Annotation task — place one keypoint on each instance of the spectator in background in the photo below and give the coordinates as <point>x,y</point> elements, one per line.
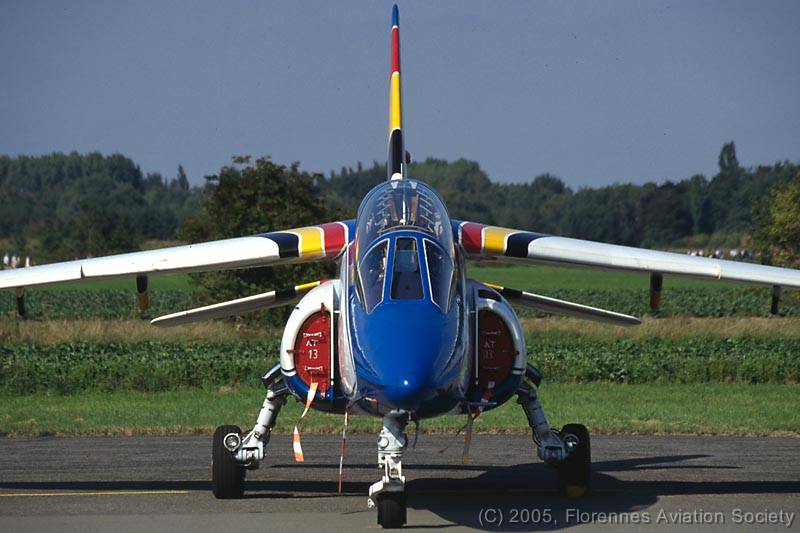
<point>5,260</point>
<point>27,261</point>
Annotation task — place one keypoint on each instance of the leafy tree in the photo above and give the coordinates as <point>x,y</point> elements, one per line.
<point>664,215</point>
<point>778,224</point>
<point>97,215</point>
<point>699,204</point>
<point>727,161</point>
<point>181,181</point>
<point>252,198</point>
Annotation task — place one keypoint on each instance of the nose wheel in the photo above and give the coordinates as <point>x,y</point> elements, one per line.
<point>391,510</point>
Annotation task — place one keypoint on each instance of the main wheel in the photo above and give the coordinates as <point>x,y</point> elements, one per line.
<point>227,475</point>
<point>392,510</point>
<point>574,474</point>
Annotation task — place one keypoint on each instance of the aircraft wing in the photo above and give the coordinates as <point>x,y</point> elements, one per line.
<point>480,240</point>
<point>313,243</point>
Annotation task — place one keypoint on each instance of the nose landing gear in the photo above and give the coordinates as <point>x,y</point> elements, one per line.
<point>388,494</point>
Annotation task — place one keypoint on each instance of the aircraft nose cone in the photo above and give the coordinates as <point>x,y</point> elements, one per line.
<point>407,392</point>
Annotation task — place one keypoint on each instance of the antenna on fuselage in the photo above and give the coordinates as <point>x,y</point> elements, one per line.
<point>398,158</point>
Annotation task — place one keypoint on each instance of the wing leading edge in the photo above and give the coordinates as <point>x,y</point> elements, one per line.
<point>480,240</point>
<point>300,245</point>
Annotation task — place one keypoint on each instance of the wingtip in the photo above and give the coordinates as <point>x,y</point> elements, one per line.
<point>395,16</point>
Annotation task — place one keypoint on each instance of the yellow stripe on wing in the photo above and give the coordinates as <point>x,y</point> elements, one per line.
<point>494,239</point>
<point>310,241</point>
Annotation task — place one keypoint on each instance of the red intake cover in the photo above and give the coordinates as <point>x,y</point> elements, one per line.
<point>312,350</point>
<point>496,350</point>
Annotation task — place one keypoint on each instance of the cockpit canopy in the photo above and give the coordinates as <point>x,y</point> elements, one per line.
<point>403,204</point>
<point>405,266</point>
<point>405,246</point>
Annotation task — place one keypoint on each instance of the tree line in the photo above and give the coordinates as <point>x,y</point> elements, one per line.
<point>696,211</point>
<point>62,206</point>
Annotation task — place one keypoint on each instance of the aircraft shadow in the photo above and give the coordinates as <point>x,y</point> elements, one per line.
<point>532,486</point>
<point>460,500</point>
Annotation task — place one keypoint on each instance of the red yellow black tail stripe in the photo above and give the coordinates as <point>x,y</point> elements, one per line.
<point>396,145</point>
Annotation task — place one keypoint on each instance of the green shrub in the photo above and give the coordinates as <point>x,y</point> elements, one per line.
<point>158,365</point>
<point>654,360</point>
<point>144,366</point>
<point>95,303</point>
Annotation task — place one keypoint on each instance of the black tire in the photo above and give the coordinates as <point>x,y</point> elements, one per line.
<point>392,510</point>
<point>227,475</point>
<point>575,473</point>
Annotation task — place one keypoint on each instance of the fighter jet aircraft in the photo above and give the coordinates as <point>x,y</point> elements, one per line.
<point>402,333</point>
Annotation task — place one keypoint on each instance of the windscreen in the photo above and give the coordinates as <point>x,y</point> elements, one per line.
<point>440,271</point>
<point>372,272</point>
<point>406,274</point>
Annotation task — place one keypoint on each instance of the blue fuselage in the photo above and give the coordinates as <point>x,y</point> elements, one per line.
<point>409,349</point>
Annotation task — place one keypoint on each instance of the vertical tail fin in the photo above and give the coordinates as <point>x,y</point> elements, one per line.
<point>396,163</point>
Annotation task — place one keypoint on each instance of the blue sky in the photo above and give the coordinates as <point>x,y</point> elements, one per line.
<point>593,92</point>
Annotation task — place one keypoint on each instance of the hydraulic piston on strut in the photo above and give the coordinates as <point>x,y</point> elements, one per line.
<point>551,448</point>
<point>392,441</point>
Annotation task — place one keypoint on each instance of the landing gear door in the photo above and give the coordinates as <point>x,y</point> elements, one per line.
<point>308,347</point>
<point>498,343</point>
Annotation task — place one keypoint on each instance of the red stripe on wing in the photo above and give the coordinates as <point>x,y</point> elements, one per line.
<point>335,238</point>
<point>472,237</point>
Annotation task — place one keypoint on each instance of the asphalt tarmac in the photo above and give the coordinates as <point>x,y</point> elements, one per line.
<point>162,484</point>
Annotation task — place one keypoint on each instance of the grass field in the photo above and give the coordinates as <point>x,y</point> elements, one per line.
<point>708,409</point>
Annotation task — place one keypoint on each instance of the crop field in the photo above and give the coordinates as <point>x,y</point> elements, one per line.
<point>712,362</point>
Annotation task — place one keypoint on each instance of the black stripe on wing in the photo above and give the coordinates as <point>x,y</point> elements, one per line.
<point>288,243</point>
<point>517,244</point>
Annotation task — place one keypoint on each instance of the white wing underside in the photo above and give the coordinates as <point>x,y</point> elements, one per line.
<point>215,255</point>
<point>298,245</point>
<point>613,257</point>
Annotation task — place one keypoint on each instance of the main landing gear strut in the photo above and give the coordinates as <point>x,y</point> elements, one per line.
<point>388,494</point>
<point>234,454</point>
<point>568,450</point>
